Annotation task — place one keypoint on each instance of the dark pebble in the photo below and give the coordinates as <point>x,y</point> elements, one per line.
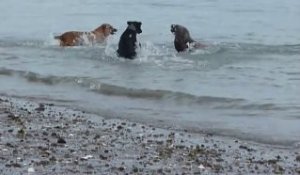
<point>52,159</point>
<point>61,141</point>
<point>40,108</point>
<point>15,165</point>
<point>135,169</point>
<point>120,127</point>
<point>298,158</point>
<point>160,171</point>
<point>103,157</point>
<point>10,145</point>
<point>45,133</point>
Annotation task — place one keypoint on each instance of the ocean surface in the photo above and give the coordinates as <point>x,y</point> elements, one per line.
<point>244,85</point>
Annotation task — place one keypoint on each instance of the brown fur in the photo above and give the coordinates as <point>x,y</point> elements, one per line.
<point>77,38</point>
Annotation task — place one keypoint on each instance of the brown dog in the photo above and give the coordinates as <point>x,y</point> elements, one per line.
<point>76,38</point>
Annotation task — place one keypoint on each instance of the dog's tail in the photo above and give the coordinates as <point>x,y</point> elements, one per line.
<point>57,37</point>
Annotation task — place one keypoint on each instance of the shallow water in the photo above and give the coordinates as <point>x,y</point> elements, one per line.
<point>245,84</point>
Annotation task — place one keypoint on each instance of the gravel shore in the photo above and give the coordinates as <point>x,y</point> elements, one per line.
<point>41,139</point>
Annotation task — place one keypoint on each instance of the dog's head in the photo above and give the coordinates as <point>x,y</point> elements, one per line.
<point>106,29</point>
<point>180,32</point>
<point>135,25</point>
<point>173,28</point>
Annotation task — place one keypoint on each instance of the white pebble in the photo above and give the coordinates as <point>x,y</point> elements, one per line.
<point>31,170</point>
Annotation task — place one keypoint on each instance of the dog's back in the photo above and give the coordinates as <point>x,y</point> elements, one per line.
<point>78,38</point>
<point>127,44</point>
<point>71,38</point>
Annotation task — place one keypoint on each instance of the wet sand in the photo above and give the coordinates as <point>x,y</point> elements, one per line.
<point>46,139</point>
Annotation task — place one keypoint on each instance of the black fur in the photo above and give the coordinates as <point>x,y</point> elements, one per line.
<point>128,43</point>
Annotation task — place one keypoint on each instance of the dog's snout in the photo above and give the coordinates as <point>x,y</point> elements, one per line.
<point>172,28</point>
<point>113,30</point>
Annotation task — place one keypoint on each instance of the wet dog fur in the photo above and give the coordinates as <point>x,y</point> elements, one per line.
<point>78,38</point>
<point>183,40</point>
<point>128,42</point>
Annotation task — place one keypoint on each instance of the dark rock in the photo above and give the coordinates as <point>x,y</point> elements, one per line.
<point>10,145</point>
<point>15,165</point>
<point>160,171</point>
<point>135,169</point>
<point>297,170</point>
<point>52,159</point>
<point>246,148</point>
<point>220,160</point>
<point>40,108</point>
<point>45,133</point>
<point>53,134</point>
<point>97,137</point>
<point>103,157</point>
<point>121,168</point>
<point>272,161</point>
<point>61,141</point>
<point>278,169</point>
<point>120,127</point>
<point>298,158</point>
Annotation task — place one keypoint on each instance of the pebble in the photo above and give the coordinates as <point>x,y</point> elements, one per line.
<point>61,141</point>
<point>298,158</point>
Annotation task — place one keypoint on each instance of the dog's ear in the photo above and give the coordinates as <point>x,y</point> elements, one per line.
<point>129,22</point>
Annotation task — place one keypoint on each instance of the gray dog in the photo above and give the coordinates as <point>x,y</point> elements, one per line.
<point>183,40</point>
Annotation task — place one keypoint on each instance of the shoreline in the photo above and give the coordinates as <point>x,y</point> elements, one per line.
<point>38,138</point>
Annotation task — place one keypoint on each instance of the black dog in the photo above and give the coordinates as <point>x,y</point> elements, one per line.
<point>183,41</point>
<point>127,43</point>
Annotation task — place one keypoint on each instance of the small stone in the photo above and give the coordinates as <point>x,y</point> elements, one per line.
<point>278,169</point>
<point>298,158</point>
<point>86,157</point>
<point>61,141</point>
<point>45,133</point>
<point>120,127</point>
<point>52,159</point>
<point>103,157</point>
<point>53,134</point>
<point>135,169</point>
<point>201,167</point>
<point>30,170</point>
<point>121,168</point>
<point>297,170</point>
<point>40,108</point>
